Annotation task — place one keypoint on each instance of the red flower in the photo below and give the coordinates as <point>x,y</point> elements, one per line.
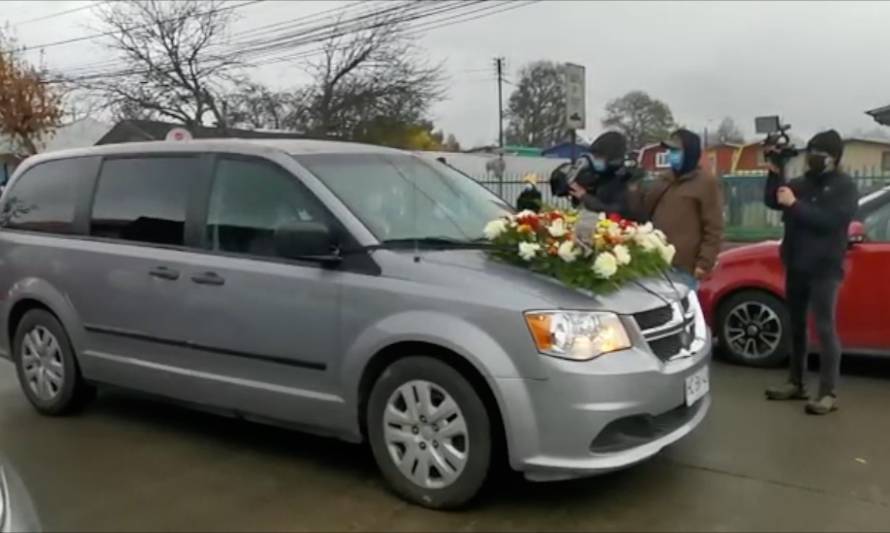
<point>530,220</point>
<point>615,217</point>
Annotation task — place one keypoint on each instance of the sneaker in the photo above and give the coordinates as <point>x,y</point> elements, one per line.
<point>788,391</point>
<point>822,406</point>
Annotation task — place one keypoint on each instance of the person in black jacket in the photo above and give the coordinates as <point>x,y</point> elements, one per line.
<point>817,210</point>
<point>530,199</point>
<point>605,186</point>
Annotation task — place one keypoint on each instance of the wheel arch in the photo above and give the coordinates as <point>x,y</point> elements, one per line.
<point>36,293</point>
<point>400,350</point>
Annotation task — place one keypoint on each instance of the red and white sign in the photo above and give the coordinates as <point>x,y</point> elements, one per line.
<point>179,134</point>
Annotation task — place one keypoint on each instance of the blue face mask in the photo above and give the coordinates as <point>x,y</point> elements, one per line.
<point>599,165</point>
<point>675,160</point>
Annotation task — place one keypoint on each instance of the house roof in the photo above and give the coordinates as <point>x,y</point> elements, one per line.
<point>152,130</point>
<point>881,115</point>
<point>883,142</point>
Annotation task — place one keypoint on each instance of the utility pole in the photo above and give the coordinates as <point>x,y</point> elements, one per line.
<point>499,64</point>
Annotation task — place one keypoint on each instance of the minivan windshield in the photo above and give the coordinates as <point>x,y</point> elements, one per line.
<point>401,197</point>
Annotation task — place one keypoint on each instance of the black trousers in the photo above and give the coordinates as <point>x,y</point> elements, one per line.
<point>819,296</point>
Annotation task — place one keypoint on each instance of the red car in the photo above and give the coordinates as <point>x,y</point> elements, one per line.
<point>744,299</point>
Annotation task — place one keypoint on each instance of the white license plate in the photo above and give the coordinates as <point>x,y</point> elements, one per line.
<point>697,385</point>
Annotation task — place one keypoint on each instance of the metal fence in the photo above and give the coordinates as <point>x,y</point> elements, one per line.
<point>747,218</point>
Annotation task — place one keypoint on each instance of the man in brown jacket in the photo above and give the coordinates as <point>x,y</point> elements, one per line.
<point>687,205</point>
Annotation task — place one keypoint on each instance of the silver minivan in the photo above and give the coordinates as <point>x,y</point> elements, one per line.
<point>341,289</point>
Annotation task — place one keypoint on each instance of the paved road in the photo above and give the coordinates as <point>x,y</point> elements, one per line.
<point>131,464</point>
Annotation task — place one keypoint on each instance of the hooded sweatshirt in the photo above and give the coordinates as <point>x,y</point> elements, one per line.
<point>608,191</point>
<point>687,206</point>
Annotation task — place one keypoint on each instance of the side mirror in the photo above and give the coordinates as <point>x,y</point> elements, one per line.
<point>309,241</point>
<point>856,232</point>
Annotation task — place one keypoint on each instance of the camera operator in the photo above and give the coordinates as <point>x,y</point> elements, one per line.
<point>605,185</point>
<point>817,209</point>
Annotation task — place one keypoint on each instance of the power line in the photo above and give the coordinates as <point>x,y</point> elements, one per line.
<point>113,32</point>
<point>264,52</point>
<point>60,13</point>
<point>338,28</point>
<point>92,67</point>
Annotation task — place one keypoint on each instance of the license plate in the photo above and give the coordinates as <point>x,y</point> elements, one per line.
<point>697,385</point>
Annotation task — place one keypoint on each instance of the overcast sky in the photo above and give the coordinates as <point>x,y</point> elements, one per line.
<point>818,64</point>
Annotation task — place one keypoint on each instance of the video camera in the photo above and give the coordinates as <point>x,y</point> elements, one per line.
<point>777,147</point>
<point>581,172</point>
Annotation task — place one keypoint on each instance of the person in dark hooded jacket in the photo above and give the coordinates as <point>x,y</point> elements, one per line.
<point>817,210</point>
<point>605,187</point>
<point>687,205</point>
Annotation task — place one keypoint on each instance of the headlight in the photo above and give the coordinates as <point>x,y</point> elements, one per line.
<point>577,335</point>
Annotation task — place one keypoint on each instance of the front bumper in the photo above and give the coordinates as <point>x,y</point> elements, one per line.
<point>593,417</point>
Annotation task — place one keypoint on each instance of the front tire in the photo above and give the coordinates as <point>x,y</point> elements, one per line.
<point>754,329</point>
<point>430,433</point>
<point>46,365</point>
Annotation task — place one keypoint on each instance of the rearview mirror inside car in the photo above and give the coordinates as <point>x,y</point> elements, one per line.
<point>856,232</point>
<point>306,240</point>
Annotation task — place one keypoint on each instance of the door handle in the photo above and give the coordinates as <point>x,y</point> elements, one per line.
<point>163,272</point>
<point>208,278</point>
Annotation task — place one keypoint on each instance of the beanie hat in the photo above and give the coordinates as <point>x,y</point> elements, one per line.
<point>611,145</point>
<point>829,142</point>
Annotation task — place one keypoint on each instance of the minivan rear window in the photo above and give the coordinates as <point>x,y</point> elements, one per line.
<point>44,197</point>
<point>144,199</point>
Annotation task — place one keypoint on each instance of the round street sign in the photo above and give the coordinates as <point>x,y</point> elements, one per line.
<point>178,134</point>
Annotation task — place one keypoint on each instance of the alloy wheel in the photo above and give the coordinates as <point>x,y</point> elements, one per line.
<point>753,330</point>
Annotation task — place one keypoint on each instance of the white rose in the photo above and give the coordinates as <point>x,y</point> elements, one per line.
<point>605,265</point>
<point>495,228</point>
<point>660,234</point>
<point>622,254</point>
<point>667,253</point>
<point>528,250</point>
<point>645,229</point>
<point>568,252</point>
<point>558,228</point>
<point>526,213</point>
<point>645,241</point>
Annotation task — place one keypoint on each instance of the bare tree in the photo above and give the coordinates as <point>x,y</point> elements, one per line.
<point>256,106</point>
<point>368,73</point>
<point>171,72</point>
<point>729,132</point>
<point>30,108</point>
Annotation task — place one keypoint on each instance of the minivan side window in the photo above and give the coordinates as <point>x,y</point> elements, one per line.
<point>249,200</point>
<point>44,197</point>
<point>144,199</point>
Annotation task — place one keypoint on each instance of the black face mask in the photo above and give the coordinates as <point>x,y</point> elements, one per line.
<point>816,163</point>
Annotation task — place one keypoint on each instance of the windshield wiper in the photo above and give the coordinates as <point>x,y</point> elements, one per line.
<point>435,242</point>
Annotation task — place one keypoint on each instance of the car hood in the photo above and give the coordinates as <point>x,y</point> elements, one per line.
<point>747,252</point>
<point>481,276</point>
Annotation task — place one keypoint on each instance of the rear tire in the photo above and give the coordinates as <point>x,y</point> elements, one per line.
<point>46,365</point>
<point>754,329</point>
<point>434,452</point>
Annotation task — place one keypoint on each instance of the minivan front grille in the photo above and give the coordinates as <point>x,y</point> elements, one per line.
<point>668,330</point>
<point>666,347</point>
<point>654,317</point>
